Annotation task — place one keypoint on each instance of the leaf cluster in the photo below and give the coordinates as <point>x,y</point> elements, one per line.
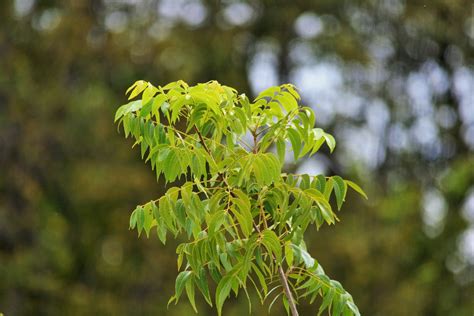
<point>243,219</point>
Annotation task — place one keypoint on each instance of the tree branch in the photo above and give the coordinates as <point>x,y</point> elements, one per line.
<point>286,288</point>
<point>283,278</point>
<point>202,140</point>
<point>221,175</point>
<point>255,143</point>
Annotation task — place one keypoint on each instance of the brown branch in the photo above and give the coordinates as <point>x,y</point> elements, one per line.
<point>288,294</point>
<point>255,143</point>
<point>202,140</point>
<point>220,174</point>
<point>283,278</point>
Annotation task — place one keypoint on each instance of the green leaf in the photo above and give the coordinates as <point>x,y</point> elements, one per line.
<point>323,204</point>
<point>171,166</point>
<point>223,291</point>
<point>201,282</point>
<point>148,221</point>
<point>328,188</point>
<point>197,114</point>
<point>240,114</point>
<point>146,109</point>
<point>356,188</point>
<point>340,190</point>
<point>259,170</point>
<point>166,213</point>
<point>148,94</point>
<point>317,144</point>
<point>330,141</point>
<point>128,108</point>
<point>244,216</point>
<point>133,219</point>
<point>176,107</point>
<point>190,294</point>
<point>338,305</point>
<point>181,280</point>
<point>208,100</point>
<point>268,93</point>
<point>271,241</point>
<point>292,89</point>
<point>303,255</point>
<point>138,87</point>
<point>261,278</point>
<point>140,219</point>
<point>288,101</point>
<point>353,308</point>
<point>295,142</point>
<point>158,101</point>
<point>311,117</point>
<point>289,254</point>
<point>272,164</point>
<point>273,301</point>
<point>281,148</point>
<point>161,232</point>
<point>286,305</point>
<point>327,300</point>
<point>132,87</point>
<point>321,184</point>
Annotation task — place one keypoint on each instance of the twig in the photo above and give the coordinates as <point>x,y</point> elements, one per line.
<point>286,288</point>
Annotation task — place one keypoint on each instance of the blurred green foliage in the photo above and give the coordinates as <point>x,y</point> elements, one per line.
<point>68,182</point>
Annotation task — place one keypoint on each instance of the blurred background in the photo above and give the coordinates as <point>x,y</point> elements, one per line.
<point>393,80</point>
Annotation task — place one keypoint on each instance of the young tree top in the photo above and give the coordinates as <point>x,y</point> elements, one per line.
<point>243,219</point>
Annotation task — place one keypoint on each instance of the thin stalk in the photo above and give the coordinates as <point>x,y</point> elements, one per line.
<point>201,138</point>
<point>283,279</point>
<point>288,294</point>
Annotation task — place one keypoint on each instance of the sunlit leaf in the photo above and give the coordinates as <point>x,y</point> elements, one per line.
<point>223,291</point>
<point>181,280</point>
<point>356,188</point>
<point>340,190</point>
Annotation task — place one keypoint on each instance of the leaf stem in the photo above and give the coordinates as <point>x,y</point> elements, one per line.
<point>210,154</point>
<point>283,278</point>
